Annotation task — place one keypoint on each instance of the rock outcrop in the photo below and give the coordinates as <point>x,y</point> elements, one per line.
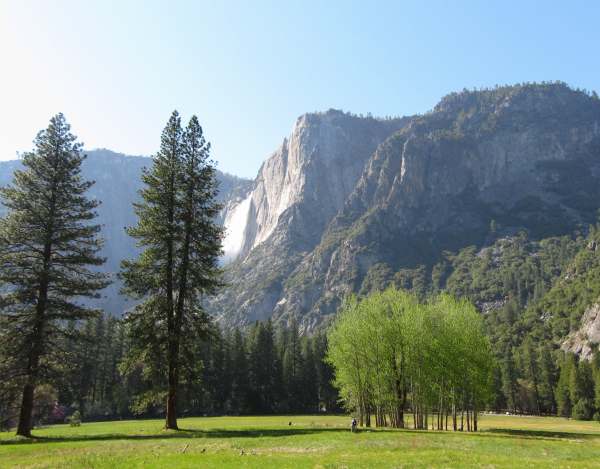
<point>584,342</point>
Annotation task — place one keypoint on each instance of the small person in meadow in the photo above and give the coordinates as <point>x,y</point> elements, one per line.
<point>353,425</point>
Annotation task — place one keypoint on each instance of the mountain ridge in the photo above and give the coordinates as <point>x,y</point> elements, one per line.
<point>508,154</point>
<point>345,198</point>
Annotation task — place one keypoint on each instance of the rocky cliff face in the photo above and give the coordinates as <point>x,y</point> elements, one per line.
<point>117,184</point>
<point>297,192</point>
<point>584,342</point>
<point>323,213</point>
<point>314,171</point>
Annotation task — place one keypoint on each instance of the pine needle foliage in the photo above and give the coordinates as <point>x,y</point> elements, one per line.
<point>48,244</point>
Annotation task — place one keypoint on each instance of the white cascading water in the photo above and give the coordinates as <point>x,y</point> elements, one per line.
<point>235,225</point>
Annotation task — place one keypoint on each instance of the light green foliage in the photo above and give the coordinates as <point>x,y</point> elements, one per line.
<point>391,353</point>
<point>75,419</point>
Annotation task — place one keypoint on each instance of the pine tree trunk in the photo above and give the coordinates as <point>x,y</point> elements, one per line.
<point>173,347</point>
<point>25,415</point>
<point>171,418</point>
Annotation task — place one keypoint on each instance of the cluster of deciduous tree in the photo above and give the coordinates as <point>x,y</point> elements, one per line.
<point>257,371</point>
<point>393,354</point>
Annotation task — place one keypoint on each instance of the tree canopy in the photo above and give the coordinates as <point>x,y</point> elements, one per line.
<point>392,353</point>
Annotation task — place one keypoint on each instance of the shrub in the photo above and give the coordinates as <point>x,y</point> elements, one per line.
<point>583,410</point>
<point>75,419</point>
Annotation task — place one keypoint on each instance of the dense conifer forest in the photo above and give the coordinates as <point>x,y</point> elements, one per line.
<point>263,370</point>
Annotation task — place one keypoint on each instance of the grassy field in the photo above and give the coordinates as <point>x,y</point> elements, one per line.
<point>311,442</point>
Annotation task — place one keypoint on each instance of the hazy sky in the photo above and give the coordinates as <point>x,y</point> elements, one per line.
<point>248,69</point>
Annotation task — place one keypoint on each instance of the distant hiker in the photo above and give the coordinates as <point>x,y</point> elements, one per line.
<point>353,425</point>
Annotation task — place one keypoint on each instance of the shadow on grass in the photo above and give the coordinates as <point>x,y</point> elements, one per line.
<point>542,434</point>
<point>184,433</point>
<point>181,433</point>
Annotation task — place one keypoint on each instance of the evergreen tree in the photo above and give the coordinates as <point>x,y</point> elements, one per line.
<point>547,379</point>
<point>509,378</point>
<point>291,367</point>
<point>239,374</point>
<point>182,243</point>
<point>531,373</point>
<point>563,393</point>
<point>264,368</point>
<point>582,390</point>
<point>308,380</point>
<point>327,394</point>
<point>47,243</point>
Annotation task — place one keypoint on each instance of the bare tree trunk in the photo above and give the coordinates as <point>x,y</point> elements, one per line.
<point>401,397</point>
<point>171,417</point>
<point>468,420</point>
<point>414,411</point>
<point>25,415</point>
<point>37,343</point>
<point>453,416</point>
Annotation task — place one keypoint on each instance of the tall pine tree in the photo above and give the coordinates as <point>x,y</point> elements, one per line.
<point>47,243</point>
<point>182,243</point>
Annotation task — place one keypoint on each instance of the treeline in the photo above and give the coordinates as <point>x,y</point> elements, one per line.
<point>394,354</point>
<point>260,371</point>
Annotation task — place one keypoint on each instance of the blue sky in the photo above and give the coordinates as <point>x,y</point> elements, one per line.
<point>248,69</point>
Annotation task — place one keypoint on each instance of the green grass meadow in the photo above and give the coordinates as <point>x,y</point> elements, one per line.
<point>311,442</point>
